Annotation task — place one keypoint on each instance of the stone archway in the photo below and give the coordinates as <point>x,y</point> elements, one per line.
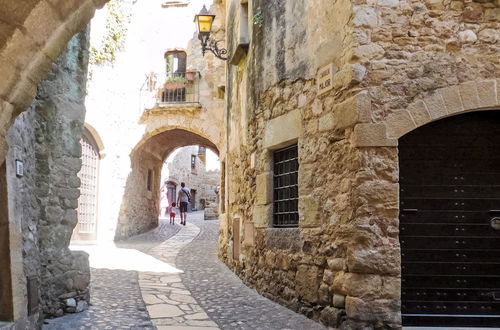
<point>34,34</point>
<point>377,146</point>
<point>140,204</point>
<point>441,103</point>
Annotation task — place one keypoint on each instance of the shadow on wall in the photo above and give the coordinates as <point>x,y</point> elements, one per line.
<point>140,207</point>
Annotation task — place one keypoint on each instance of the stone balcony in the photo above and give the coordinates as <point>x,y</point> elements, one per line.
<point>176,93</point>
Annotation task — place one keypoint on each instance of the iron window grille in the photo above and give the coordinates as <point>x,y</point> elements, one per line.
<point>286,189</point>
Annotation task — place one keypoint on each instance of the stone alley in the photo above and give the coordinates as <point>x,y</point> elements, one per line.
<point>190,289</point>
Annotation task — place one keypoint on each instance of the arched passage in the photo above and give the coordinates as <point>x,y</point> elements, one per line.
<point>140,204</point>
<point>450,221</point>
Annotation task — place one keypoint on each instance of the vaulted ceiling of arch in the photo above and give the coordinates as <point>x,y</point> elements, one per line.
<point>161,145</point>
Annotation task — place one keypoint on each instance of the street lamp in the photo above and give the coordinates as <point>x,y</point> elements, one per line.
<point>204,21</point>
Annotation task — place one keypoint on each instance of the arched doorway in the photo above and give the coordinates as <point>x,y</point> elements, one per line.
<point>171,191</point>
<point>449,222</point>
<point>86,229</point>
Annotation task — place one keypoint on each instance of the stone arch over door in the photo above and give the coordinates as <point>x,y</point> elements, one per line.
<point>441,103</point>
<point>449,188</point>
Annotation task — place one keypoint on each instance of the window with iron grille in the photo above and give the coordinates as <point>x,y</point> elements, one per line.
<point>286,189</point>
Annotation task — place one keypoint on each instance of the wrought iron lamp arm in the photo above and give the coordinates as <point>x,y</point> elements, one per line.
<point>212,45</point>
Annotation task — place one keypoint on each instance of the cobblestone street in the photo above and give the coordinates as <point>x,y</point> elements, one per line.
<point>170,279</point>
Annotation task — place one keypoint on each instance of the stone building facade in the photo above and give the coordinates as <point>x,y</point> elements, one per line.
<point>386,68</point>
<point>189,165</point>
<point>357,85</point>
<point>138,128</point>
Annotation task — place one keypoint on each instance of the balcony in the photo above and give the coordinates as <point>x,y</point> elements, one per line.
<point>176,92</point>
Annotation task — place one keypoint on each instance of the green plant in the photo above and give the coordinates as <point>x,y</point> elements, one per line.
<point>176,79</point>
<point>114,38</point>
<point>258,18</point>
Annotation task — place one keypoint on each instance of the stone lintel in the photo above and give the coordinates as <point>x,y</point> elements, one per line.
<point>283,130</point>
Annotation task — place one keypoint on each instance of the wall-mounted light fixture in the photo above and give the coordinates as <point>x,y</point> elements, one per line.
<point>204,21</point>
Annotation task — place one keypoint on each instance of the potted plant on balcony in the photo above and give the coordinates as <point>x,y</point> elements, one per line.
<point>175,83</point>
<point>191,75</point>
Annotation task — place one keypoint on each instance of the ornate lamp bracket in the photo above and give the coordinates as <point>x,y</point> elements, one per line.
<point>213,46</point>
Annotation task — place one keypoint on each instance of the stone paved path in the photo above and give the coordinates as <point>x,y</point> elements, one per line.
<point>116,304</point>
<point>225,298</point>
<point>171,279</point>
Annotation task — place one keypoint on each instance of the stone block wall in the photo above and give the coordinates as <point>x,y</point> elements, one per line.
<point>397,65</point>
<point>43,202</point>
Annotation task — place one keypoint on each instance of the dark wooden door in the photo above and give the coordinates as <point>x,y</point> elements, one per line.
<point>450,242</point>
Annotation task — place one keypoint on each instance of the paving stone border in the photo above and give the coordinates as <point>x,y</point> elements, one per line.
<point>169,303</point>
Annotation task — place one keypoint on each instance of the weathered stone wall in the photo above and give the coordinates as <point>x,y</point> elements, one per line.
<point>398,65</point>
<point>43,202</point>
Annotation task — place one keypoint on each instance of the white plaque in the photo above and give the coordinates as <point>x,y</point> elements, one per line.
<point>325,78</point>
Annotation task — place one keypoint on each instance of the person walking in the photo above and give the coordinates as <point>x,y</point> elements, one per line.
<point>183,198</point>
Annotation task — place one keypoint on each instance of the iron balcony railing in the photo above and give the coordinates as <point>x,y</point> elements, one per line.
<point>163,90</point>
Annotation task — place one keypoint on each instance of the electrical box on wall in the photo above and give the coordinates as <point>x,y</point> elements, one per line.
<point>19,168</point>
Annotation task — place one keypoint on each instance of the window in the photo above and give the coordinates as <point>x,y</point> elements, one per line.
<point>175,63</point>
<point>193,164</point>
<point>150,180</point>
<point>286,190</point>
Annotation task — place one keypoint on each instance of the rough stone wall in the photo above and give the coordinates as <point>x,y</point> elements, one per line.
<point>140,205</point>
<point>43,202</point>
<point>393,61</point>
<point>203,181</point>
<point>411,48</point>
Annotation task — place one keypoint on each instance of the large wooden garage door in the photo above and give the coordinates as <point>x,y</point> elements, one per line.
<point>450,222</point>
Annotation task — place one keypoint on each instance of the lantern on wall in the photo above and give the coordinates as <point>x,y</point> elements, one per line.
<point>204,22</point>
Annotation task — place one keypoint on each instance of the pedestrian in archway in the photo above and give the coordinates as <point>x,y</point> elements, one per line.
<point>183,198</point>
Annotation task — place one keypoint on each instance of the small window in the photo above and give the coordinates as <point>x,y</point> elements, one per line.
<point>193,162</point>
<point>221,92</point>
<point>175,63</point>
<point>286,190</point>
<point>150,180</point>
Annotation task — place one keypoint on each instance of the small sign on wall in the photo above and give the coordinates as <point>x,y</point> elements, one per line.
<point>325,78</point>
<point>19,168</point>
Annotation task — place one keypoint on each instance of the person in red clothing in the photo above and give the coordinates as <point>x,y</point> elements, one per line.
<point>172,213</point>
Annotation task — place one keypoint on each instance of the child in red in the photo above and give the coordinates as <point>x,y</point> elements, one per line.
<point>172,214</point>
